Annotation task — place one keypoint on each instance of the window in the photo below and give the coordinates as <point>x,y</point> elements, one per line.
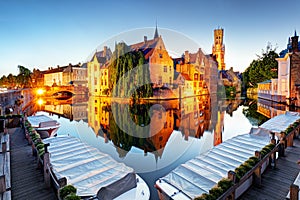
<point>165,125</point>
<point>170,80</point>
<point>170,68</point>
<point>96,110</point>
<point>160,138</point>
<point>95,81</point>
<point>195,77</point>
<point>160,80</point>
<point>195,84</point>
<point>160,55</point>
<point>165,69</point>
<point>95,101</point>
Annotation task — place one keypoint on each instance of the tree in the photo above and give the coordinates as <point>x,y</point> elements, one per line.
<point>24,77</point>
<point>263,68</point>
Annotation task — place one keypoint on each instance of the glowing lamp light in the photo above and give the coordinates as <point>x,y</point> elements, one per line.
<point>40,91</point>
<point>40,102</point>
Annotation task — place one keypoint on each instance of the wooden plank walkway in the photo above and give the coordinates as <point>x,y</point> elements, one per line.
<point>27,181</point>
<point>276,183</point>
<point>5,166</point>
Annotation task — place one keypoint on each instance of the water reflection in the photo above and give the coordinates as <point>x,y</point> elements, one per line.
<point>190,116</point>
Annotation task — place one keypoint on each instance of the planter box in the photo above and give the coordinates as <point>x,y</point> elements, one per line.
<point>243,187</point>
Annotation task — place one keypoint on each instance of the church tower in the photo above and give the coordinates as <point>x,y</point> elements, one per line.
<point>218,49</point>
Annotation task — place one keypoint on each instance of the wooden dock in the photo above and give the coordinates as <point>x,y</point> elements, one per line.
<point>27,181</point>
<point>276,182</point>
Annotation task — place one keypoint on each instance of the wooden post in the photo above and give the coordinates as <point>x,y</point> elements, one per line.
<point>2,184</point>
<point>4,147</point>
<point>290,139</point>
<point>273,160</point>
<point>294,192</point>
<point>282,147</point>
<point>232,176</point>
<point>257,154</point>
<point>46,164</point>
<point>257,176</point>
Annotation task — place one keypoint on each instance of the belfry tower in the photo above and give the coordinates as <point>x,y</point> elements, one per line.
<point>218,49</point>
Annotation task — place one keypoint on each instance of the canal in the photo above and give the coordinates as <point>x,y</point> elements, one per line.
<point>154,137</point>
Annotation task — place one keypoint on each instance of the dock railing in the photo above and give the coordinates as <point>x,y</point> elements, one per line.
<point>253,176</point>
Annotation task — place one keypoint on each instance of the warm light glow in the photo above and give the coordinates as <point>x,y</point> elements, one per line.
<point>40,91</point>
<point>40,101</point>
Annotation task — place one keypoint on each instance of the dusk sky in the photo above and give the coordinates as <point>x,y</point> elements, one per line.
<point>41,34</point>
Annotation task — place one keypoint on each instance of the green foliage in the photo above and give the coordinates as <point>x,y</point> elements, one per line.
<point>23,79</point>
<point>230,91</point>
<point>262,69</point>
<point>124,80</point>
<point>216,192</point>
<point>255,118</point>
<point>65,191</point>
<point>225,184</point>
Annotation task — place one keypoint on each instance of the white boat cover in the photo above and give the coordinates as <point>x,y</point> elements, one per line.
<point>199,175</point>
<point>89,170</point>
<point>37,119</point>
<point>281,122</point>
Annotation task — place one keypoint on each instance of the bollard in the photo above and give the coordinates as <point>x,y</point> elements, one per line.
<point>294,192</point>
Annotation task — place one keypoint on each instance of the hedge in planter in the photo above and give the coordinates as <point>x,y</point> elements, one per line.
<point>214,193</point>
<point>65,191</point>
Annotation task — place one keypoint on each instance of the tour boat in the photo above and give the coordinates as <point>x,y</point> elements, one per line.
<point>44,125</point>
<point>94,174</point>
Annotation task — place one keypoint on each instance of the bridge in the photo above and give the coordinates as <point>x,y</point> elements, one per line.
<point>70,90</point>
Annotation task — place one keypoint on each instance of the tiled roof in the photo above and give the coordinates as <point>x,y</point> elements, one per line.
<point>186,77</point>
<point>146,47</point>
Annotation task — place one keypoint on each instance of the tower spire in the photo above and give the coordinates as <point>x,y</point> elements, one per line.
<point>156,31</point>
<point>295,33</point>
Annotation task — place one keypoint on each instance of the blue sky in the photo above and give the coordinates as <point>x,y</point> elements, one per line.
<point>42,34</point>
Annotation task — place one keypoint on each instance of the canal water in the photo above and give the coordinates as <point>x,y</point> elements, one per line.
<point>153,136</point>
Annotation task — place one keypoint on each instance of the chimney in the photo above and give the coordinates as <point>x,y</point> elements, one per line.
<point>58,66</point>
<point>145,39</point>
<point>186,57</point>
<point>295,43</point>
<point>104,50</point>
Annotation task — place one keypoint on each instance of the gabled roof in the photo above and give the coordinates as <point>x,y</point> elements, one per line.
<point>147,47</point>
<point>101,56</point>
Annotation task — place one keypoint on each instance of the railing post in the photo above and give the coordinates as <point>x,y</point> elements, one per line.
<point>231,176</point>
<point>294,192</point>
<point>46,163</point>
<point>273,156</point>
<point>282,147</point>
<point>290,139</point>
<point>257,176</point>
<point>257,154</point>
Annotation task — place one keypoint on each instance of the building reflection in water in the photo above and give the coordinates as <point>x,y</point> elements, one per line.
<point>191,116</point>
<point>74,108</point>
